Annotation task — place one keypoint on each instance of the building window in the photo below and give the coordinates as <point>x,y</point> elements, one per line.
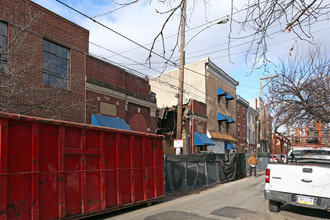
<point>219,126</point>
<point>244,132</point>
<point>239,131</point>
<point>3,46</point>
<point>227,128</point>
<point>244,113</point>
<point>238,115</point>
<point>219,99</point>
<point>226,104</point>
<point>249,134</point>
<point>56,65</point>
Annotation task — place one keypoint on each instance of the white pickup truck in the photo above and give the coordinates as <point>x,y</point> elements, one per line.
<point>303,181</point>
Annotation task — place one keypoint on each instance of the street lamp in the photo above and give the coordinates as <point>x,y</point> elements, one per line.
<point>222,21</point>
<point>181,65</point>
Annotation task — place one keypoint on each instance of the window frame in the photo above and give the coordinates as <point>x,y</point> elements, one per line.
<point>56,65</point>
<point>238,111</point>
<point>238,130</point>
<point>3,57</point>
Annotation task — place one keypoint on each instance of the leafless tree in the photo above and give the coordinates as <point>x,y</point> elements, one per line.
<point>301,92</point>
<point>259,20</point>
<point>21,84</point>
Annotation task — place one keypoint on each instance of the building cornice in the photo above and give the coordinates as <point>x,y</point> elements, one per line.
<point>96,85</point>
<point>217,71</point>
<point>242,101</point>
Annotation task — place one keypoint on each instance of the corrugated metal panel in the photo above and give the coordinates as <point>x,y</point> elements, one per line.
<point>53,169</point>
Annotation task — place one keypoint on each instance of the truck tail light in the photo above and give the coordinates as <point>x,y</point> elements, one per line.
<point>267,175</point>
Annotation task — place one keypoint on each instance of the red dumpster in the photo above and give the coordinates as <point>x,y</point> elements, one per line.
<point>53,169</point>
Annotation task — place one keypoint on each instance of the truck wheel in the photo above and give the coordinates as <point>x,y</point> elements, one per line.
<point>274,206</point>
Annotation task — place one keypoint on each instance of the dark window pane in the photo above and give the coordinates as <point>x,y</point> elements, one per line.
<point>56,65</point>
<point>3,29</point>
<point>66,54</point>
<point>52,59</point>
<point>46,57</point>
<point>59,61</point>
<point>3,66</point>
<point>3,42</point>
<point>59,50</point>
<point>65,64</point>
<point>46,46</point>
<point>52,48</point>
<point>52,68</point>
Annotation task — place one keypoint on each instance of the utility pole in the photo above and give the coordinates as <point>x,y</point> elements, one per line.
<point>181,70</point>
<point>259,126</point>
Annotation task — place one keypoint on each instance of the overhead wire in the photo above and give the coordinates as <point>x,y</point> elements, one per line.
<point>171,62</point>
<point>140,64</point>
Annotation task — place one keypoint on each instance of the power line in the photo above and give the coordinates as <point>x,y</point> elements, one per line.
<point>116,32</point>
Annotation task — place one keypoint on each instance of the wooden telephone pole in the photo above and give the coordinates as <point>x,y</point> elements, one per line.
<point>181,70</point>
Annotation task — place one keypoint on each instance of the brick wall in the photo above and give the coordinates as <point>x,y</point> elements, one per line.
<point>131,94</point>
<point>114,75</point>
<point>29,24</point>
<point>241,120</point>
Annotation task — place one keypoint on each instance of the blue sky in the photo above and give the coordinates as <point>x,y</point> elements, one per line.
<point>141,23</point>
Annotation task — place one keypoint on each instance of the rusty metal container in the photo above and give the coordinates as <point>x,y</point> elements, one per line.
<point>53,169</point>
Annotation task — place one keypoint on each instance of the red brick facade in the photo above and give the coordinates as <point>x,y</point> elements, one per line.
<point>241,126</point>
<point>28,25</point>
<point>195,121</point>
<point>125,95</point>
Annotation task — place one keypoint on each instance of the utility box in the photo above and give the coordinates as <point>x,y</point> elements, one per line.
<point>54,169</point>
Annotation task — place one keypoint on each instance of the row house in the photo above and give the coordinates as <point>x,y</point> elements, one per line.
<point>194,127</point>
<point>206,83</point>
<point>241,123</point>
<point>45,72</point>
<point>251,130</point>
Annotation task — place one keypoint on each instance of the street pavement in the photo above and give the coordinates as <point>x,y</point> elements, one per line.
<point>241,199</point>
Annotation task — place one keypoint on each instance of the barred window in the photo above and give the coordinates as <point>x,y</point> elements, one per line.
<point>56,65</point>
<point>3,46</point>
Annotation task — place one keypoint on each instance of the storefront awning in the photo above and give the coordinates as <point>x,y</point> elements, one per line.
<point>229,97</point>
<point>106,121</point>
<point>229,119</point>
<point>221,117</point>
<point>229,146</point>
<point>202,139</point>
<point>220,92</point>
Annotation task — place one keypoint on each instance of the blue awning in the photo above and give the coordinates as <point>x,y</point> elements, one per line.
<point>221,92</point>
<point>229,97</point>
<point>202,139</point>
<point>229,119</point>
<point>106,121</point>
<point>221,117</point>
<point>229,146</point>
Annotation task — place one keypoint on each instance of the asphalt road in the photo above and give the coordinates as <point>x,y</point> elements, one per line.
<point>242,199</point>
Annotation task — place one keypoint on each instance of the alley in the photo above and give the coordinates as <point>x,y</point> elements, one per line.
<point>242,199</point>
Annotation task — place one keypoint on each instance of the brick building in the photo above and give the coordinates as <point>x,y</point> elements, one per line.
<point>194,125</point>
<point>114,92</point>
<point>241,124</point>
<point>209,84</point>
<point>42,62</point>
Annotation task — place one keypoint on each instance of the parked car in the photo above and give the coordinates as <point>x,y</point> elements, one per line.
<point>274,159</point>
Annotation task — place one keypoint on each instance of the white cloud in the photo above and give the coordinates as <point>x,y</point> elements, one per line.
<point>141,23</point>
